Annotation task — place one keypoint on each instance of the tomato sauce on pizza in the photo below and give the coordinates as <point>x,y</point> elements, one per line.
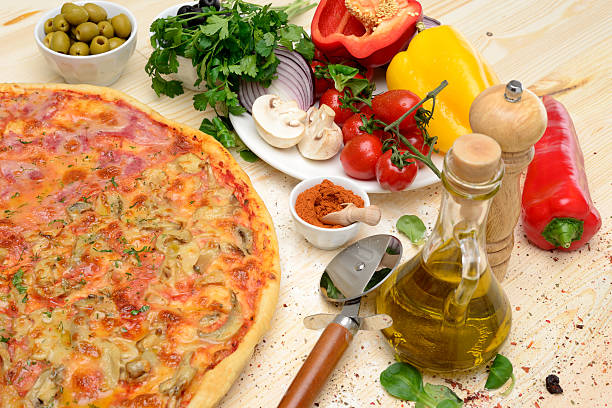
<point>135,256</point>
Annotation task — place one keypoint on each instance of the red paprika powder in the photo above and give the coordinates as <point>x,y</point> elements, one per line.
<point>322,199</point>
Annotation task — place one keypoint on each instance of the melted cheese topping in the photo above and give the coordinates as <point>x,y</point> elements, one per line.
<point>126,263</point>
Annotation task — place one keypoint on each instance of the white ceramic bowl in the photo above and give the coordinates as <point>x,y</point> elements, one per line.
<point>326,238</point>
<point>101,69</point>
<point>186,71</point>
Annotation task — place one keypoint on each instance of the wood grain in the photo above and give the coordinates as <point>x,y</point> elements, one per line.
<point>562,302</point>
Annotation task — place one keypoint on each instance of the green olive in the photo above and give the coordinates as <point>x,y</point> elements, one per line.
<point>96,13</point>
<point>99,45</point>
<point>60,23</point>
<point>86,31</point>
<point>115,42</point>
<point>79,48</point>
<point>76,15</point>
<point>59,42</point>
<point>72,32</point>
<point>48,26</point>
<point>47,40</point>
<point>67,6</point>
<point>106,29</point>
<point>122,25</point>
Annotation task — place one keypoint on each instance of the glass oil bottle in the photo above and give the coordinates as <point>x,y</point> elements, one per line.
<point>449,312</point>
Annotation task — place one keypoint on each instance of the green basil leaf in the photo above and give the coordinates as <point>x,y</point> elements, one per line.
<point>402,381</point>
<point>412,227</point>
<point>500,372</point>
<point>248,156</point>
<point>449,404</point>
<point>443,394</point>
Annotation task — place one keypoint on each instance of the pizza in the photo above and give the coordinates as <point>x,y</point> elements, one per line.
<point>138,266</point>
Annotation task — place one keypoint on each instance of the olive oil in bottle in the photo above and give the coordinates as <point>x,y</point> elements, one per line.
<point>449,312</point>
<point>422,335</point>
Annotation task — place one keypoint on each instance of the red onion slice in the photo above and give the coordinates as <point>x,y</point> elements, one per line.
<point>430,22</point>
<point>293,81</point>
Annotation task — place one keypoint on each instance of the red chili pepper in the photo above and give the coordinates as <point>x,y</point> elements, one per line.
<point>372,33</point>
<point>557,208</point>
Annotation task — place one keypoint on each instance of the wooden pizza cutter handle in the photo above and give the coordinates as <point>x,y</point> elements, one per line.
<point>318,366</point>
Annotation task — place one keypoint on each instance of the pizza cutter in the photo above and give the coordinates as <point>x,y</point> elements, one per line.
<point>356,271</point>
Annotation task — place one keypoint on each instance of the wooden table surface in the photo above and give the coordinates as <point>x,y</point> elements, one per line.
<point>562,302</point>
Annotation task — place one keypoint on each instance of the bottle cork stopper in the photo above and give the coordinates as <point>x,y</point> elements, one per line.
<point>475,158</point>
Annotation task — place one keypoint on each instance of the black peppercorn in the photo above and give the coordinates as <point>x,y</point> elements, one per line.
<point>552,384</point>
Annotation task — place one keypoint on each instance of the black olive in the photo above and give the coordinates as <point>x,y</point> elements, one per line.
<point>210,3</point>
<point>184,10</point>
<point>196,21</point>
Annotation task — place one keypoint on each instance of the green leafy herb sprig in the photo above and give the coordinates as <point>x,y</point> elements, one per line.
<point>405,382</point>
<point>235,43</point>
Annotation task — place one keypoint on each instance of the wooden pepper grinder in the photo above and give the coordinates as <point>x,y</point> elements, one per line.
<point>516,119</point>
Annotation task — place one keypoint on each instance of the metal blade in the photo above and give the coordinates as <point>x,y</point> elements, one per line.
<point>374,322</point>
<point>351,270</point>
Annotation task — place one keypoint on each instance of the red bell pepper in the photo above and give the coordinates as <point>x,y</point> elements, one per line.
<point>557,208</point>
<point>370,31</point>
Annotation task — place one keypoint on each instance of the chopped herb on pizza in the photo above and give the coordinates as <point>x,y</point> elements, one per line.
<point>138,266</point>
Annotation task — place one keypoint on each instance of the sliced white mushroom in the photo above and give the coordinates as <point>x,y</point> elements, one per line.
<point>189,163</point>
<point>108,203</point>
<point>244,238</point>
<point>278,122</point>
<point>230,327</point>
<point>110,362</point>
<point>43,392</point>
<point>181,378</point>
<point>137,368</point>
<point>323,138</point>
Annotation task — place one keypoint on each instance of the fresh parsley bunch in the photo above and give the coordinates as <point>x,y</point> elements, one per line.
<point>235,43</point>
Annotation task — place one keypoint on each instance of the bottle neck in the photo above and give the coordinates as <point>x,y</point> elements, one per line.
<point>463,214</point>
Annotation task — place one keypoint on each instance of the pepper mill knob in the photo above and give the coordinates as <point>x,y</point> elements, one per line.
<point>516,119</point>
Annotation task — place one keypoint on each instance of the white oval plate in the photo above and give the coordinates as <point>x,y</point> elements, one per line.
<point>291,162</point>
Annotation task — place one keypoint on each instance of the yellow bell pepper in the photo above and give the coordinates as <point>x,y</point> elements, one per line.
<point>434,55</point>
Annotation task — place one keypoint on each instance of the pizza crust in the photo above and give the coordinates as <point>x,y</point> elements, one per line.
<point>216,382</point>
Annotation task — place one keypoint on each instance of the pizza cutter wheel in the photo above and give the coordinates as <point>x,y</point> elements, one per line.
<point>356,271</point>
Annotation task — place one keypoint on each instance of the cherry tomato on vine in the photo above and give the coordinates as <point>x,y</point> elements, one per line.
<point>416,139</point>
<point>390,105</point>
<point>390,177</point>
<point>331,98</point>
<point>350,128</point>
<point>321,84</point>
<point>366,110</point>
<point>360,155</point>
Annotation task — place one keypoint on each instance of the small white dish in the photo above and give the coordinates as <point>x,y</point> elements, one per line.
<point>326,238</point>
<point>101,69</point>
